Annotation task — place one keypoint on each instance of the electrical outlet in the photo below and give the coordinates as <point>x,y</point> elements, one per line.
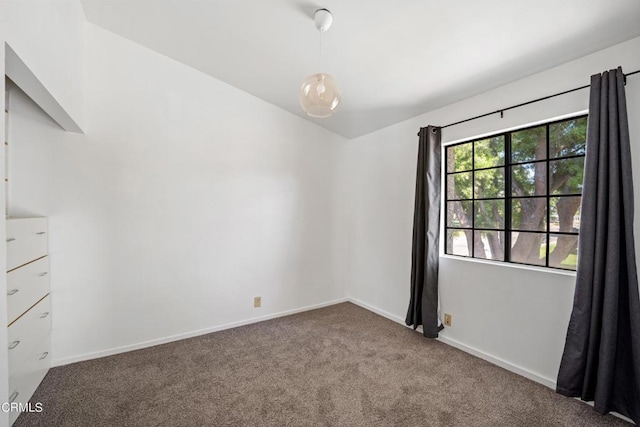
<point>257,302</point>
<point>447,319</point>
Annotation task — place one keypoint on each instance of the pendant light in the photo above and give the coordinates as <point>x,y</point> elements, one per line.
<point>319,94</point>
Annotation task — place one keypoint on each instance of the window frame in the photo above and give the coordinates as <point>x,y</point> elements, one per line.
<point>508,197</point>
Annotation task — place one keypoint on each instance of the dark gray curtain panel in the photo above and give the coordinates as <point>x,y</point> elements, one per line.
<point>601,359</point>
<point>423,306</point>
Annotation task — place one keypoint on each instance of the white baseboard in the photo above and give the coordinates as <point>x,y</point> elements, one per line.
<point>442,338</point>
<point>498,361</point>
<point>467,349</point>
<point>478,353</point>
<point>376,310</point>
<point>151,343</point>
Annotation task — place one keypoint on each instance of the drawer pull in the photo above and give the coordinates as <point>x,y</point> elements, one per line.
<point>40,233</point>
<point>13,396</point>
<point>44,273</point>
<point>14,344</point>
<point>44,355</point>
<point>11,239</point>
<point>13,291</point>
<point>45,314</point>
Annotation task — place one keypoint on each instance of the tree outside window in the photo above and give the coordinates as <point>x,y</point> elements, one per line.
<point>516,196</point>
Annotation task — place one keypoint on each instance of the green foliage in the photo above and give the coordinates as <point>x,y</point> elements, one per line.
<point>489,214</point>
<point>555,205</point>
<point>459,186</point>
<point>569,263</point>
<point>489,183</point>
<point>529,147</point>
<point>489,152</point>
<point>459,157</point>
<point>529,214</point>
<point>568,138</point>
<point>567,175</point>
<point>458,212</point>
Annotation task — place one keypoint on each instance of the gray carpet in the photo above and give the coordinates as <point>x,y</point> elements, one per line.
<point>336,366</point>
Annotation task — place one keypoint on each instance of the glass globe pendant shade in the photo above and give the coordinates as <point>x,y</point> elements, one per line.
<point>319,95</point>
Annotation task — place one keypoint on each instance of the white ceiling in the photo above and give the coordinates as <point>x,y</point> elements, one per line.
<point>392,60</point>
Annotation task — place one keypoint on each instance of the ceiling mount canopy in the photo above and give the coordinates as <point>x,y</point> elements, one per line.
<point>319,94</point>
<point>323,19</point>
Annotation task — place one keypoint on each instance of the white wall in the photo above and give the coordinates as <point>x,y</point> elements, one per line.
<point>48,37</point>
<point>184,200</point>
<point>187,197</point>
<point>514,316</point>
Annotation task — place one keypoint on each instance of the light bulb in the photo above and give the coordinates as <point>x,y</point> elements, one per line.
<point>319,95</point>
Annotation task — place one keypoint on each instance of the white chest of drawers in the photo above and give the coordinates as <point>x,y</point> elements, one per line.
<point>28,307</point>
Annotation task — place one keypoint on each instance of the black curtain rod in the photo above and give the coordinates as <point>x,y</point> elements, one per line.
<point>502,110</point>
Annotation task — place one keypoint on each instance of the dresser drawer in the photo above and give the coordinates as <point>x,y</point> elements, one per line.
<point>24,382</point>
<point>26,240</point>
<point>26,332</point>
<point>26,286</point>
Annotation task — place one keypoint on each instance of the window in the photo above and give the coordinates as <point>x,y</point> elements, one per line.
<point>515,196</point>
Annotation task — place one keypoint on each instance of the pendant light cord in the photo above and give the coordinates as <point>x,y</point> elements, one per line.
<point>320,51</point>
